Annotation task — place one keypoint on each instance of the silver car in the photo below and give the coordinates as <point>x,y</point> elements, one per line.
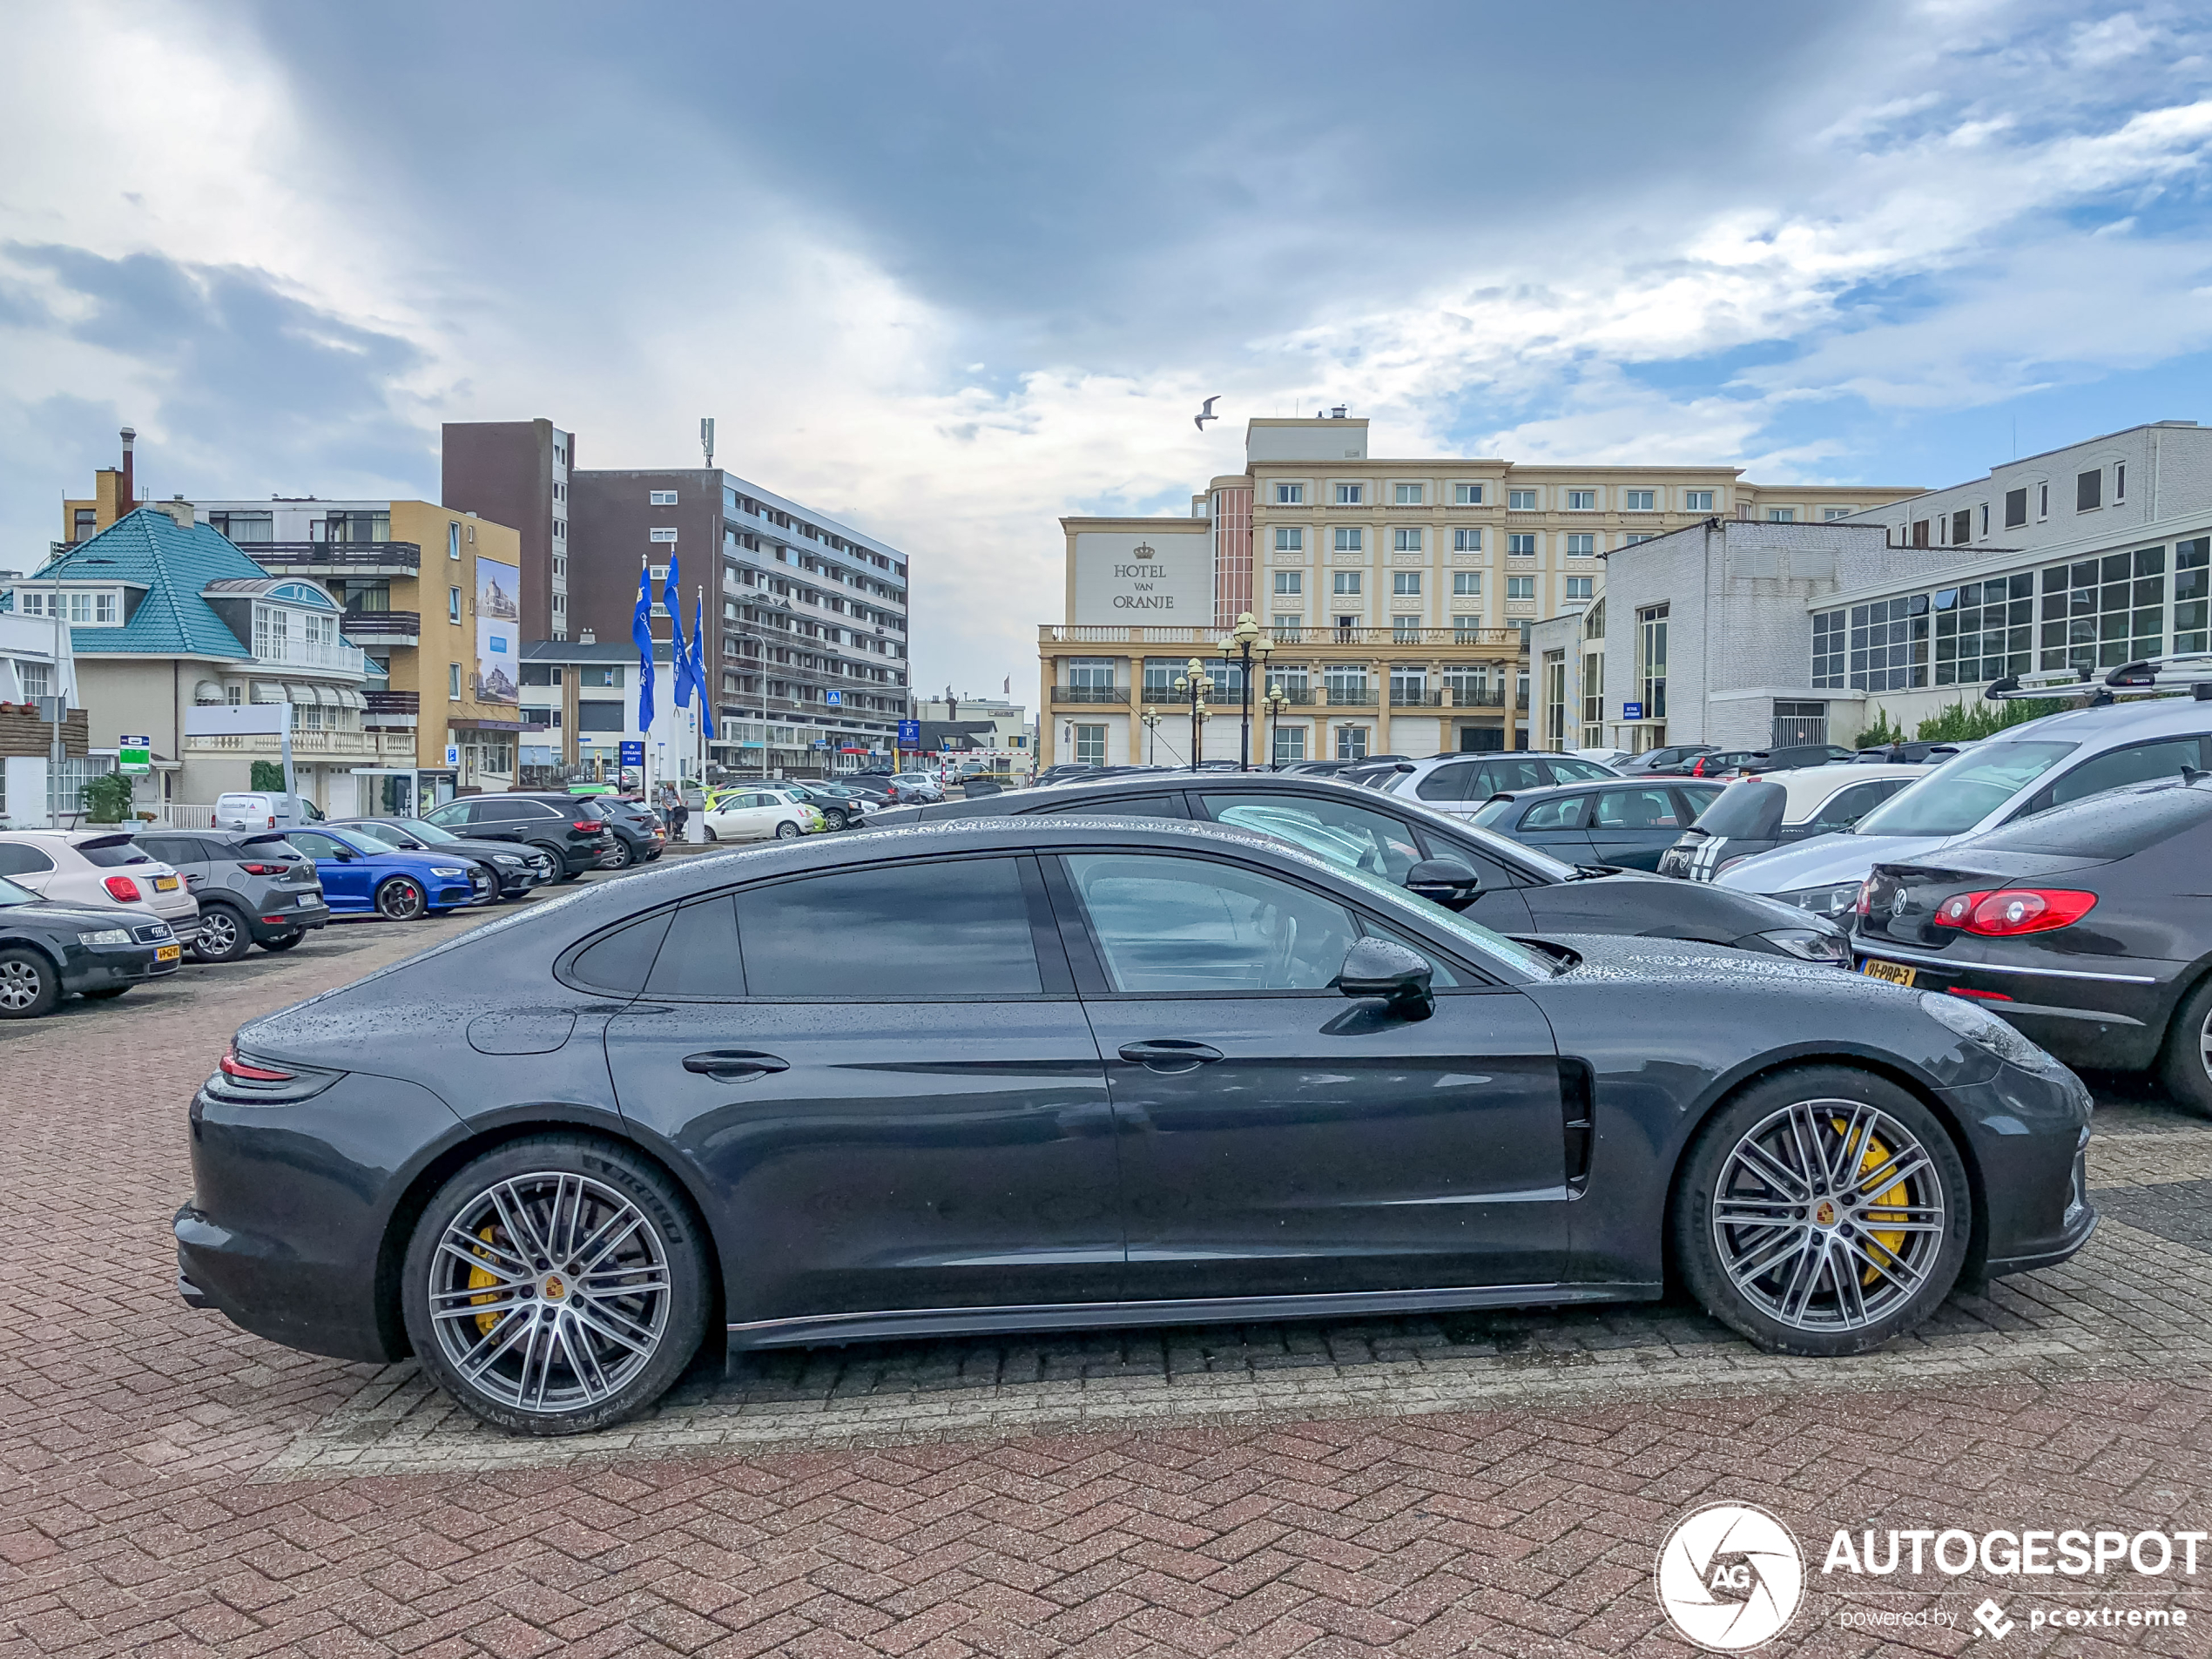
<point>102,869</point>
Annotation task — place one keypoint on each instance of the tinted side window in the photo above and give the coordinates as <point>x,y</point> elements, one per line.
<point>1449,783</point>
<point>2137,764</point>
<point>619,963</point>
<point>1131,807</point>
<point>1847,806</point>
<point>958,928</point>
<point>1571,769</point>
<point>1177,925</point>
<point>315,845</point>
<point>15,859</point>
<point>1637,809</point>
<point>1495,776</point>
<point>1696,798</point>
<point>495,811</point>
<point>169,849</point>
<point>1563,813</point>
<point>452,815</point>
<point>699,955</point>
<point>1345,835</point>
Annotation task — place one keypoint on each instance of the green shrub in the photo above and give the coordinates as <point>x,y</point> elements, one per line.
<point>1962,724</point>
<point>1882,733</point>
<point>268,776</point>
<point>106,800</point>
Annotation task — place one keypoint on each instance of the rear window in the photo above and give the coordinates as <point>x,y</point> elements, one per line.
<point>2107,826</point>
<point>1490,811</point>
<point>1571,770</point>
<point>108,857</point>
<point>1747,812</point>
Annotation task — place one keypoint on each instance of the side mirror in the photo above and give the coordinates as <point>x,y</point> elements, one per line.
<point>1445,881</point>
<point>1385,968</point>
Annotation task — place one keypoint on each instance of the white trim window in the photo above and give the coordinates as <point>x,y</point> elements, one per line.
<point>1351,495</point>
<point>1579,587</point>
<point>1830,514</point>
<point>1466,585</point>
<point>1409,494</point>
<point>1350,538</point>
<point>1405,584</point>
<point>1467,495</point>
<point>1639,501</point>
<point>1520,587</point>
<point>1467,541</point>
<point>452,538</point>
<point>663,533</point>
<point>1289,583</point>
<point>1582,544</point>
<point>1291,539</point>
<point>1521,544</point>
<point>1581,501</point>
<point>1697,501</point>
<point>1290,495</point>
<point>1345,583</point>
<point>660,498</point>
<point>1521,501</point>
<point>1405,540</point>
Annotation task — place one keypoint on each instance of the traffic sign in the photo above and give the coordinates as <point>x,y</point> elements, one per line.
<point>1632,711</point>
<point>134,754</point>
<point>835,699</point>
<point>452,754</point>
<point>909,731</point>
<point>631,754</point>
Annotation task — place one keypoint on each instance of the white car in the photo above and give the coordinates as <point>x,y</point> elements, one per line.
<point>759,814</point>
<point>102,869</point>
<point>1460,783</point>
<point>1763,811</point>
<point>254,809</point>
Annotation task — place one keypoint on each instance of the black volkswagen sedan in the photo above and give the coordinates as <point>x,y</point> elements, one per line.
<point>49,950</point>
<point>2088,926</point>
<point>1515,888</point>
<point>1628,822</point>
<point>1068,1075</point>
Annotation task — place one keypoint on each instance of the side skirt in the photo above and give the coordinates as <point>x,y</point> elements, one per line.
<point>827,1330</point>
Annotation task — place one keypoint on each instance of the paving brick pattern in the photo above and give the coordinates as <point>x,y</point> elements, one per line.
<point>169,1486</point>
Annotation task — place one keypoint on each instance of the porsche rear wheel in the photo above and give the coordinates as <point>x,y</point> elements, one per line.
<point>1823,1211</point>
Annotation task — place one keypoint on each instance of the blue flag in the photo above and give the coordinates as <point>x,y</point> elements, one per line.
<point>698,665</point>
<point>681,694</point>
<point>641,630</point>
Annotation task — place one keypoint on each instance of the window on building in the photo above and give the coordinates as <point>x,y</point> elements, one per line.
<point>2042,501</point>
<point>1830,514</point>
<point>1466,585</point>
<point>1345,682</point>
<point>1781,515</point>
<point>1290,540</point>
<point>1289,582</point>
<point>1651,660</point>
<point>2101,612</point>
<point>660,498</point>
<point>1592,698</point>
<point>1697,501</point>
<point>1555,699</point>
<point>1351,495</point>
<point>1090,746</point>
<point>1466,630</point>
<point>453,604</point>
<point>1920,532</point>
<point>1888,643</point>
<point>2015,508</point>
<point>1405,583</point>
<point>1983,629</point>
<point>1290,495</point>
<point>1520,587</point>
<point>1349,540</point>
<point>663,533</point>
<point>1290,745</point>
<point>1829,637</point>
<point>1581,501</point>
<point>1522,542</point>
<point>1639,501</point>
<point>1405,630</point>
<point>84,523</point>
<point>1581,545</point>
<point>2119,481</point>
<point>1521,501</point>
<point>453,682</point>
<point>2191,594</point>
<point>1636,541</point>
<point>1405,540</point>
<point>1344,582</point>
<point>1579,587</point>
<point>1962,527</point>
<point>1408,494</point>
<point>1467,541</point>
<point>1351,743</point>
<point>1467,495</point>
<point>2088,492</point>
<point>36,679</point>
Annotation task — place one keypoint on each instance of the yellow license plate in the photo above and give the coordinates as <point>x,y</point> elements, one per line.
<point>165,884</point>
<point>1895,973</point>
<point>168,953</point>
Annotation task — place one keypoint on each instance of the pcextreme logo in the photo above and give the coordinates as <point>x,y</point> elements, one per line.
<point>1730,1577</point>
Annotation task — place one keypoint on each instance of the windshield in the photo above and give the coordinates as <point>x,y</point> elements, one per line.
<point>1484,944</point>
<point>1965,789</point>
<point>10,894</point>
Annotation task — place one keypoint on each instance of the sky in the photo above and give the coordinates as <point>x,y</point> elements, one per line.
<point>947,272</point>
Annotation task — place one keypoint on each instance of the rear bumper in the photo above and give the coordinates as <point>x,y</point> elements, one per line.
<point>274,923</point>
<point>2110,1018</point>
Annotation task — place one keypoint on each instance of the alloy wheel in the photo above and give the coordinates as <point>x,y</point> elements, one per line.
<point>217,933</point>
<point>550,1292</point>
<point>787,830</point>
<point>2204,1042</point>
<point>399,900</point>
<point>1828,1216</point>
<point>20,986</point>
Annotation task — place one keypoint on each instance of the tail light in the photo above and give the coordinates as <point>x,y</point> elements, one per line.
<point>586,825</point>
<point>245,1071</point>
<point>123,889</point>
<point>2015,910</point>
<point>265,869</point>
<point>1865,905</point>
<point>1979,996</point>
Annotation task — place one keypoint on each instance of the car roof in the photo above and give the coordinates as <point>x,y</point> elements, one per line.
<point>1805,787</point>
<point>2119,722</point>
<point>1599,786</point>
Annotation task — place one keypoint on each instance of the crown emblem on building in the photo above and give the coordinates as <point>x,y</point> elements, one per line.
<point>1145,551</point>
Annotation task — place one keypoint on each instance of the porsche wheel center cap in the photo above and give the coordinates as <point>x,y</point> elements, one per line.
<point>1824,1213</point>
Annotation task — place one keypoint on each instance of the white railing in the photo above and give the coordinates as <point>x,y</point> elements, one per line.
<point>342,744</point>
<point>184,815</point>
<point>301,653</point>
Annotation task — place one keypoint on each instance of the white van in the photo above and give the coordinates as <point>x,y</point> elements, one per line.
<point>252,810</point>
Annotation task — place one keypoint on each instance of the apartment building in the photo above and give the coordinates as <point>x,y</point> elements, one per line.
<point>516,472</point>
<point>580,705</point>
<point>805,617</point>
<point>1395,595</point>
<point>432,596</point>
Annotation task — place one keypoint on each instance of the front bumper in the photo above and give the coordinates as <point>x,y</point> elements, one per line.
<point>2026,1135</point>
<point>102,967</point>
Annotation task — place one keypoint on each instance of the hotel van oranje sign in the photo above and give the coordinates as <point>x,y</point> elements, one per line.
<point>1125,578</point>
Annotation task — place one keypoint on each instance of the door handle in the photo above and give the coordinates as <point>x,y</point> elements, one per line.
<point>1168,1053</point>
<point>733,1065</point>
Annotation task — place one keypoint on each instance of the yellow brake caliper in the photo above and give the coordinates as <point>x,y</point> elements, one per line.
<point>481,1279</point>
<point>1883,1245</point>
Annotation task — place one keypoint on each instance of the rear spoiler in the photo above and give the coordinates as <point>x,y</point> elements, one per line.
<point>2154,676</point>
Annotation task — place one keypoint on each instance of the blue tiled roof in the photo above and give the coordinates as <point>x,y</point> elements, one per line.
<point>174,564</point>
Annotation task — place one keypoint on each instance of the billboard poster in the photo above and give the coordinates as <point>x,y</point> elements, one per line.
<point>499,618</point>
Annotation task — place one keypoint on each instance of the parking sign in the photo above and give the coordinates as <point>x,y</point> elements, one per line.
<point>909,733</point>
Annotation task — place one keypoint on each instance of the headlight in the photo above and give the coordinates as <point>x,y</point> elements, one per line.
<point>1838,900</point>
<point>1979,1026</point>
<point>106,936</point>
<point>448,870</point>
<point>502,857</point>
<point>1809,945</point>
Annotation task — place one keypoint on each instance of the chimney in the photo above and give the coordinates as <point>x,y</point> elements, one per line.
<point>130,488</point>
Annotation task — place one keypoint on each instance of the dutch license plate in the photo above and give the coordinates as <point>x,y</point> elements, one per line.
<point>165,884</point>
<point>1895,973</point>
<point>168,953</point>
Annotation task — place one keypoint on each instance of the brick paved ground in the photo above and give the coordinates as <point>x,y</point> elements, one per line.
<point>170,1486</point>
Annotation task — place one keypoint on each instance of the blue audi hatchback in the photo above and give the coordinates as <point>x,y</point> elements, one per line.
<point>363,877</point>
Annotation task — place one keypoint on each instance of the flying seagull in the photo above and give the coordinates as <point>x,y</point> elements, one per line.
<point>1206,415</point>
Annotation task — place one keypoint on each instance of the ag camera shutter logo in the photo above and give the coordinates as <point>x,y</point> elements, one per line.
<point>1730,1577</point>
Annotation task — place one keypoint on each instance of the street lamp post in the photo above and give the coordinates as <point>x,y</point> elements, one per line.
<point>1274,702</point>
<point>1190,686</point>
<point>1151,722</point>
<point>1246,644</point>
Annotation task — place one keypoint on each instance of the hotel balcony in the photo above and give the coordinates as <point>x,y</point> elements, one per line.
<point>337,558</point>
<point>383,627</point>
<point>1090,694</point>
<point>299,653</point>
<point>396,709</point>
<point>1202,642</point>
<point>362,747</point>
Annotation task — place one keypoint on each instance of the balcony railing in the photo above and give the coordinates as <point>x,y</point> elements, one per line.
<point>301,653</point>
<point>293,559</point>
<point>356,746</point>
<point>382,624</point>
<point>1409,699</point>
<point>1479,696</point>
<point>1090,694</point>
<point>408,703</point>
<point>1137,634</point>
<point>1351,697</point>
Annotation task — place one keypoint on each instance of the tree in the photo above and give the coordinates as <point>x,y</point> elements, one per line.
<point>268,776</point>
<point>106,800</point>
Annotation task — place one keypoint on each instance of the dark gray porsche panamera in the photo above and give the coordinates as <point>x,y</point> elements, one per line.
<point>1030,1074</point>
